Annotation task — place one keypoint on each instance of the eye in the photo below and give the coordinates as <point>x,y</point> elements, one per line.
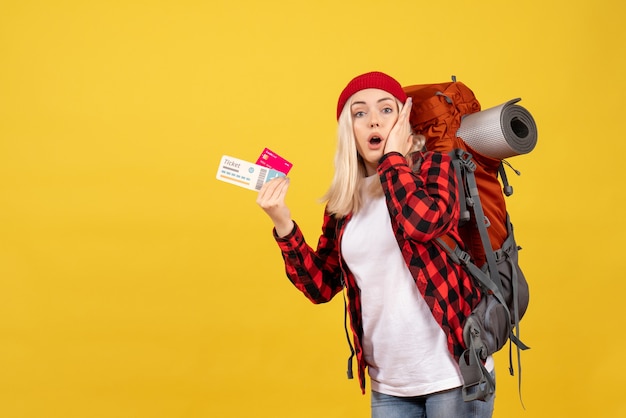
<point>359,114</point>
<point>387,110</point>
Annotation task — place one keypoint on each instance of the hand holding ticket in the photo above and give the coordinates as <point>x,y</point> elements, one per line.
<point>251,176</point>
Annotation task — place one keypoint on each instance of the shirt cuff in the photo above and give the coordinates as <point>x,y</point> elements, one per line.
<point>291,240</point>
<point>391,160</point>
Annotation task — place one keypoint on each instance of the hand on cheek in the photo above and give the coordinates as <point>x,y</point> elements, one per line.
<point>400,138</point>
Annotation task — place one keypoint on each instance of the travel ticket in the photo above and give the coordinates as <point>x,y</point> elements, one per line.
<point>245,174</point>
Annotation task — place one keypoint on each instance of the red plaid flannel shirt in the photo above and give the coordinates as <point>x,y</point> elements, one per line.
<point>422,206</point>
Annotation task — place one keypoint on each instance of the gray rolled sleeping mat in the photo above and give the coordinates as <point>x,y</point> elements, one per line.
<point>500,132</point>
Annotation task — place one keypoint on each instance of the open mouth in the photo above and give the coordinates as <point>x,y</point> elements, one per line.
<point>375,140</point>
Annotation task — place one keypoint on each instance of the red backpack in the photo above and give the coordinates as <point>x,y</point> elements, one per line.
<point>488,250</point>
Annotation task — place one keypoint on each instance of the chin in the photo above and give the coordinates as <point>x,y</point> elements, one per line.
<point>374,157</point>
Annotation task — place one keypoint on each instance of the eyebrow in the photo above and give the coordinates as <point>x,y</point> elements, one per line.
<point>378,101</point>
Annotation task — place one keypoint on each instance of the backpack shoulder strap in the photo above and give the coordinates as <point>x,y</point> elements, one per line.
<point>474,203</point>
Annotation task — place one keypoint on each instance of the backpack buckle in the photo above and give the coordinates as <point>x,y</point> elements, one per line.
<point>464,257</point>
<point>466,159</point>
<point>500,254</point>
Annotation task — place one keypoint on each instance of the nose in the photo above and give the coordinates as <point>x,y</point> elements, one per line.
<point>374,123</point>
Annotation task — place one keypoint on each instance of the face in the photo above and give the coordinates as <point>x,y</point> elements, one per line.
<point>374,113</point>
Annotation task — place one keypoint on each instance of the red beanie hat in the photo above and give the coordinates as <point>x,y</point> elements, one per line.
<point>373,80</point>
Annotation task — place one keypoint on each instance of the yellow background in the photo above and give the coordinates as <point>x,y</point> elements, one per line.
<point>134,284</point>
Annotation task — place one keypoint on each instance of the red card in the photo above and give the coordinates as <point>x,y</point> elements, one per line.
<point>270,159</point>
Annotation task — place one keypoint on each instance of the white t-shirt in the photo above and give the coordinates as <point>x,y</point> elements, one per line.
<point>405,348</point>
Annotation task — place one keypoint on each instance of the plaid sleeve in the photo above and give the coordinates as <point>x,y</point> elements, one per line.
<point>316,273</point>
<point>423,204</point>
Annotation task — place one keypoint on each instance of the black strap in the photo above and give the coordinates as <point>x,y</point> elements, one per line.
<point>345,327</point>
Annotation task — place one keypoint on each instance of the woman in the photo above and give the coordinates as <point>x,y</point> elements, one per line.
<point>407,301</point>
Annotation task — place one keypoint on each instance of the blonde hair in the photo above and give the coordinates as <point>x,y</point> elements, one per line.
<point>344,194</point>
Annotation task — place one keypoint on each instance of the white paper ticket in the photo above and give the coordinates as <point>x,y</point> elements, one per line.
<point>245,174</point>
